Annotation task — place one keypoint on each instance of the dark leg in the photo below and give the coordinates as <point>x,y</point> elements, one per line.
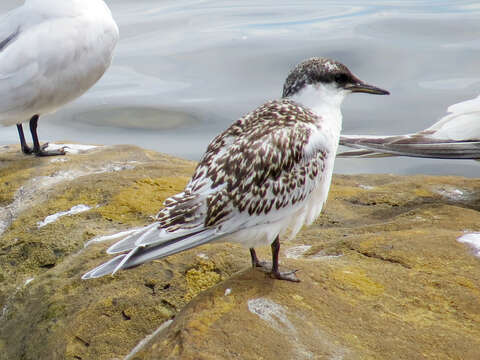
<point>25,148</point>
<point>37,149</point>
<point>290,276</point>
<point>255,261</point>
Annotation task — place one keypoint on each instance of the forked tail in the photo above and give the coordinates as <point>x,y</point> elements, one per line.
<point>148,244</point>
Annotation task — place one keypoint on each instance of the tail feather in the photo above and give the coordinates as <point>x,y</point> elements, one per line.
<point>128,243</point>
<point>140,254</point>
<point>104,269</point>
<point>144,254</point>
<point>149,235</point>
<point>363,153</point>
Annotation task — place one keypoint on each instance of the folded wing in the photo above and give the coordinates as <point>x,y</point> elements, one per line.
<point>455,136</point>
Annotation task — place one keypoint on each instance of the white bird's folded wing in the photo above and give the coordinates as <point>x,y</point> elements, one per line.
<point>455,136</point>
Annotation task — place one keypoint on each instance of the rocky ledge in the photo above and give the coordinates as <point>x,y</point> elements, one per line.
<point>390,271</point>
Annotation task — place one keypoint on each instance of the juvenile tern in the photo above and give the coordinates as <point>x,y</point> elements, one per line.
<point>264,177</point>
<point>51,52</point>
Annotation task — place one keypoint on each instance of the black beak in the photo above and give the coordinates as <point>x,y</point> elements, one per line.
<point>365,88</point>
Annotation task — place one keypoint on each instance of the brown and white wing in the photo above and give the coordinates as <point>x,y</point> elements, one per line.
<point>266,174</point>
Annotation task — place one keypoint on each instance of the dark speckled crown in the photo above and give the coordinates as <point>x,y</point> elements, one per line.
<point>315,70</point>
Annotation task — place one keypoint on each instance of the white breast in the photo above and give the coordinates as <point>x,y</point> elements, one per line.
<point>325,102</point>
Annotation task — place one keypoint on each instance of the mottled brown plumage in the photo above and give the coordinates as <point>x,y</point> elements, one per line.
<point>258,162</point>
<point>263,178</point>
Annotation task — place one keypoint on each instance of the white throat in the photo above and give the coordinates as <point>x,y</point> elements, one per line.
<point>320,97</point>
<point>325,101</point>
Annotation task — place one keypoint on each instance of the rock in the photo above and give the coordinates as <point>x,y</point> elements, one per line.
<point>383,275</point>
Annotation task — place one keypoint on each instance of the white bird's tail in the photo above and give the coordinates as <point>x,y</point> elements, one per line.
<point>148,244</point>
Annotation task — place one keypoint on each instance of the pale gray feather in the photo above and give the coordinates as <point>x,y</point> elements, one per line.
<point>413,146</point>
<point>148,236</point>
<point>139,254</point>
<point>455,136</point>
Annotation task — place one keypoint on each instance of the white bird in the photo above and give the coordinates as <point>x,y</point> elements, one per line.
<point>51,52</point>
<point>261,179</point>
<point>454,136</point>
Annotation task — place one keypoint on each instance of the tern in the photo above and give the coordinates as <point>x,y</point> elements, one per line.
<point>260,180</point>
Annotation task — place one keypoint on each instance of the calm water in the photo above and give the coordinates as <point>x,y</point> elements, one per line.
<point>185,70</point>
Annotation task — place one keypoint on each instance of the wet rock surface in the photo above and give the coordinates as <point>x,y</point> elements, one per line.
<point>383,275</point>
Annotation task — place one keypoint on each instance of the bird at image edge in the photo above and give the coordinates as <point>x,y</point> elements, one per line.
<point>263,178</point>
<point>455,136</point>
<point>51,52</point>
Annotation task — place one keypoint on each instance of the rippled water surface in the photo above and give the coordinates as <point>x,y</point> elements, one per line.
<point>185,70</point>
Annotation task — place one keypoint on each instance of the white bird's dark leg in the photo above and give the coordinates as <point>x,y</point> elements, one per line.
<point>290,275</point>
<point>255,262</point>
<point>25,148</point>
<point>37,149</point>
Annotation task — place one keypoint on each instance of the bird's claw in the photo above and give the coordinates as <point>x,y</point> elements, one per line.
<point>42,152</point>
<point>266,267</point>
<point>287,275</point>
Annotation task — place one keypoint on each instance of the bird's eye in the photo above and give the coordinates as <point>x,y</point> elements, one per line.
<point>341,78</point>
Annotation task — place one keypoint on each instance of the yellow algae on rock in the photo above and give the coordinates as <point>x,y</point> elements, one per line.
<point>342,191</point>
<point>13,174</point>
<point>207,317</point>
<point>144,198</point>
<point>356,277</point>
<point>422,192</point>
<point>201,278</point>
<point>10,183</point>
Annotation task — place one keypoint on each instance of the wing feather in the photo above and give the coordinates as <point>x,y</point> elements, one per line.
<point>454,136</point>
<point>260,176</point>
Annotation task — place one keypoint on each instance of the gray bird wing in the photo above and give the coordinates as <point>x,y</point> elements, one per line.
<point>455,136</point>
<point>416,145</point>
<point>20,50</point>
